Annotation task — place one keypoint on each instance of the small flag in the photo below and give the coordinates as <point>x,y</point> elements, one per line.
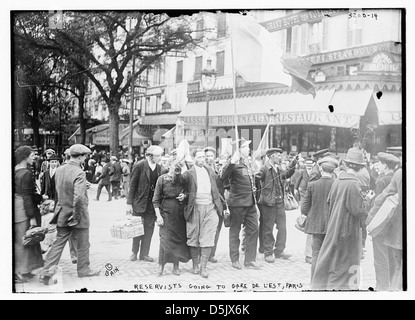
<point>264,143</point>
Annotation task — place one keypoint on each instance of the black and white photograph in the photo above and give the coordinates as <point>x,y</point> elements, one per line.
<point>208,151</point>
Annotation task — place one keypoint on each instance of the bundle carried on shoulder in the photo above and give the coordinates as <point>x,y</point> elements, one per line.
<point>34,235</point>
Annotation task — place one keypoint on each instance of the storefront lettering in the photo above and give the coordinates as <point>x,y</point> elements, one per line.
<point>313,118</point>
<point>300,17</point>
<point>354,52</point>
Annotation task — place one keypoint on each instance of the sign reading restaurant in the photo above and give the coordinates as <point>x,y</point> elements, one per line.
<point>285,118</point>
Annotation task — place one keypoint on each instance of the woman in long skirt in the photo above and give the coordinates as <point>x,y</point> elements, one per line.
<point>170,218</point>
<point>26,213</point>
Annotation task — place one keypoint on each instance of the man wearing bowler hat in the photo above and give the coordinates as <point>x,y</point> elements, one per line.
<point>242,206</point>
<point>71,215</point>
<point>339,257</point>
<point>271,204</point>
<point>386,164</point>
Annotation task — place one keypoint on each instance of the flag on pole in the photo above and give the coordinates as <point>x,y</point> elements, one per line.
<point>257,55</point>
<point>259,58</point>
<point>264,143</point>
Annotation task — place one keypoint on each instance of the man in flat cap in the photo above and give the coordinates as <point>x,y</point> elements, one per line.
<point>115,177</point>
<point>271,204</point>
<point>71,215</point>
<point>315,207</point>
<point>204,207</point>
<point>143,180</point>
<point>385,166</point>
<point>242,206</point>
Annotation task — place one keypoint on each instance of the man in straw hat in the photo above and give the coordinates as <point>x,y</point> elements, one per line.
<point>386,164</point>
<point>242,206</point>
<point>142,185</point>
<point>314,205</point>
<point>71,215</point>
<point>339,257</point>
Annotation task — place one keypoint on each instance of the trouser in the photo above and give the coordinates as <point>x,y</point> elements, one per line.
<point>115,188</point>
<point>308,246</point>
<point>142,243</point>
<point>218,229</point>
<point>72,246</point>
<point>317,242</point>
<point>381,262</point>
<point>248,216</point>
<point>107,187</point>
<point>273,216</point>
<point>395,265</point>
<point>82,248</point>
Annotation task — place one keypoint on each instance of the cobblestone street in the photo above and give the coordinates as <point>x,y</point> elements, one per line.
<point>109,253</point>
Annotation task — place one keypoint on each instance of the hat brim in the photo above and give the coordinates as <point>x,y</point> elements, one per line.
<point>354,162</point>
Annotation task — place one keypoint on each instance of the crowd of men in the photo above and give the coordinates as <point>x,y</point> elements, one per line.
<point>338,197</point>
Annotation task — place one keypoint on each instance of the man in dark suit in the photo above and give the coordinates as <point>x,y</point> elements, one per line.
<point>204,207</point>
<point>242,206</point>
<point>71,215</point>
<point>142,184</point>
<point>271,204</point>
<point>115,177</point>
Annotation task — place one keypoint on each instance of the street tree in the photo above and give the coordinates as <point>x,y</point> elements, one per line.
<point>102,46</point>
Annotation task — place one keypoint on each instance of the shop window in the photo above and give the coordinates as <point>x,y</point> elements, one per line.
<point>179,72</point>
<point>354,32</point>
<point>198,68</point>
<point>221,25</point>
<point>220,63</point>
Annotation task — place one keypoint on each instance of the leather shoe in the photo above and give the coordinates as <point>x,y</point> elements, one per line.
<point>283,255</point>
<point>91,273</point>
<point>147,259</point>
<point>74,261</point>
<point>236,265</point>
<point>270,259</point>
<point>252,265</point>
<point>308,259</point>
<point>213,260</point>
<point>133,257</point>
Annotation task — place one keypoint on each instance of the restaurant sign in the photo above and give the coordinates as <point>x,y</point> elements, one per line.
<point>285,118</point>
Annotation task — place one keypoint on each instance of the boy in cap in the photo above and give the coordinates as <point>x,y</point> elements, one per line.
<point>71,215</point>
<point>387,163</point>
<point>314,205</point>
<point>142,185</point>
<point>271,204</point>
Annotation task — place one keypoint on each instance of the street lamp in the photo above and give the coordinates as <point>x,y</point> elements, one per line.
<point>208,82</point>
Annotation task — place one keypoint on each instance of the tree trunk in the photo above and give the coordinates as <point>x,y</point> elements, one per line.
<point>114,121</point>
<point>82,120</point>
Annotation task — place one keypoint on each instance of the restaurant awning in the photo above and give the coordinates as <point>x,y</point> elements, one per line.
<point>389,105</point>
<point>293,109</point>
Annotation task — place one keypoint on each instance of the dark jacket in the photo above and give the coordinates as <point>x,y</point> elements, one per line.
<point>140,186</point>
<point>104,178</point>
<point>115,171</point>
<point>382,182</point>
<point>241,180</point>
<point>273,183</point>
<point>48,185</point>
<point>302,180</point>
<point>190,181</point>
<point>72,197</point>
<point>393,231</point>
<point>314,174</point>
<point>315,205</point>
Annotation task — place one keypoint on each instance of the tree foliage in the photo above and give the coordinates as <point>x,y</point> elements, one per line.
<point>101,46</point>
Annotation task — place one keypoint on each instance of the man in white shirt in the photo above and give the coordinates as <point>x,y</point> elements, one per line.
<point>203,210</point>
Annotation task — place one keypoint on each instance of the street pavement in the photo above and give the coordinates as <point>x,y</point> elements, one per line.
<point>119,274</point>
